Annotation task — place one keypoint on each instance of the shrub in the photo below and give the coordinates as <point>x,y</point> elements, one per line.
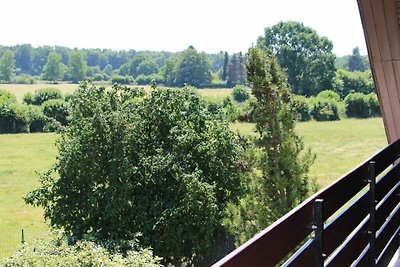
<point>148,79</point>
<point>13,118</point>
<point>119,79</point>
<point>42,95</point>
<point>56,109</point>
<point>329,94</point>
<point>373,103</point>
<point>357,105</point>
<point>101,77</point>
<point>6,96</point>
<point>325,110</point>
<point>214,108</point>
<point>61,252</point>
<point>37,120</point>
<point>24,79</point>
<point>302,108</point>
<point>241,93</point>
<point>160,165</point>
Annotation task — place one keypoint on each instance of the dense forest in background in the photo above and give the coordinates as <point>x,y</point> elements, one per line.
<point>27,64</point>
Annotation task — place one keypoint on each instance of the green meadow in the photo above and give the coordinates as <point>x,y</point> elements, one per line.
<point>22,157</point>
<point>339,146</point>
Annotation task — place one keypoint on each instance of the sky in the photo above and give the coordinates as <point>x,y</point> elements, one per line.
<point>173,25</point>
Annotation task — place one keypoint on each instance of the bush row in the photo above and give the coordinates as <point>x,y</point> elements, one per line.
<point>44,110</point>
<point>326,106</point>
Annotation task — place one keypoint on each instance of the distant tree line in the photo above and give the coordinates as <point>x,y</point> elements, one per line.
<point>306,57</point>
<point>25,64</point>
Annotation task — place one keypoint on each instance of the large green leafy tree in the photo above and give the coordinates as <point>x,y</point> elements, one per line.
<point>283,164</point>
<point>40,56</point>
<point>356,62</point>
<point>159,164</point>
<point>306,57</point>
<point>193,69</point>
<point>54,69</point>
<point>77,66</point>
<point>24,58</point>
<point>7,66</point>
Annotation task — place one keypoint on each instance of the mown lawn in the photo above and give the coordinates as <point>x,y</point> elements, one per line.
<point>21,157</point>
<point>339,146</point>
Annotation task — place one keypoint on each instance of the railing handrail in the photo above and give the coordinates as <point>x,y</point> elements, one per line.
<point>338,236</point>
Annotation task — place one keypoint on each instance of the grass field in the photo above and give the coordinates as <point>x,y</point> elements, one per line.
<point>339,146</point>
<point>21,157</point>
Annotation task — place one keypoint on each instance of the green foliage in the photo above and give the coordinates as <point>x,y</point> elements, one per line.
<point>28,98</point>
<point>241,93</point>
<point>56,109</point>
<point>325,109</point>
<point>37,120</point>
<point>76,67</point>
<point>60,252</point>
<point>6,96</point>
<point>356,62</point>
<point>148,79</point>
<point>42,95</point>
<point>357,105</point>
<point>329,94</point>
<point>280,157</point>
<point>347,82</point>
<point>7,66</point>
<point>193,69</point>
<point>147,67</point>
<point>373,103</point>
<point>23,79</point>
<point>235,73</point>
<point>54,68</point>
<point>159,164</point>
<point>13,118</point>
<point>121,79</point>
<point>302,108</point>
<point>306,57</point>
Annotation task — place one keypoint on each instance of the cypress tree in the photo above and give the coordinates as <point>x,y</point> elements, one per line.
<point>225,67</point>
<point>281,180</point>
<point>284,164</point>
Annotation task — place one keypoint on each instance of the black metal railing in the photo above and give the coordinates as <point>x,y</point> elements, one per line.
<point>354,221</point>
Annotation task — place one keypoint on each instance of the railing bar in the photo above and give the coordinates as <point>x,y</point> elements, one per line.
<point>387,221</point>
<point>389,194</point>
<point>347,240</point>
<point>347,206</point>
<point>362,254</point>
<point>298,253</point>
<point>372,230</point>
<point>319,232</point>
<point>396,235</point>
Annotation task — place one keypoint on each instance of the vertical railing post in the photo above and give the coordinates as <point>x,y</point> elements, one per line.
<point>372,208</point>
<point>22,236</point>
<point>319,232</point>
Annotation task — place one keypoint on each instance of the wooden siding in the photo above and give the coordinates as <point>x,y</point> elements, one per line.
<point>380,19</point>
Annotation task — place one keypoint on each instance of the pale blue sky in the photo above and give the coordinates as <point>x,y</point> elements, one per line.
<point>173,25</point>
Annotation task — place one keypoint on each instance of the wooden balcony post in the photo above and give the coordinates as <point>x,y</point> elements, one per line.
<point>372,209</point>
<point>319,232</point>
